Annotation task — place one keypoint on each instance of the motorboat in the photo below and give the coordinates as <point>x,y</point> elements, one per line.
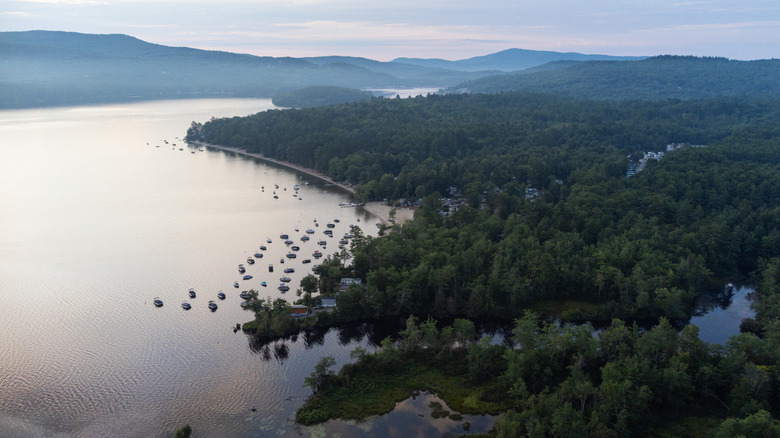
<point>244,294</point>
<point>336,221</point>
<point>331,225</point>
<point>264,284</point>
<point>221,295</point>
<point>317,254</point>
<point>306,261</point>
<point>322,243</point>
<point>235,284</point>
<point>244,304</point>
<point>281,260</point>
<point>192,293</point>
<point>247,277</point>
<point>241,268</point>
<point>295,248</point>
<point>310,231</point>
<point>270,268</point>
<point>185,305</point>
<point>268,240</point>
<point>288,242</point>
<point>285,279</point>
<point>263,248</point>
<point>250,260</point>
<point>283,287</point>
<point>343,241</point>
<point>258,255</point>
<point>297,229</point>
<point>212,306</point>
<point>284,236</point>
<point>157,302</point>
<point>305,238</point>
<point>289,270</point>
<point>291,255</point>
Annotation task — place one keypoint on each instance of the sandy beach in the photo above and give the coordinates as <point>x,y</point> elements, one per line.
<point>378,209</point>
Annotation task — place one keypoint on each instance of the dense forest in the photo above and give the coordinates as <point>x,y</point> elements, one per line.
<point>631,247</point>
<point>320,96</point>
<point>659,77</point>
<point>545,217</point>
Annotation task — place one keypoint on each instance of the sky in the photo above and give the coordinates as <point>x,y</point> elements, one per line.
<point>451,29</point>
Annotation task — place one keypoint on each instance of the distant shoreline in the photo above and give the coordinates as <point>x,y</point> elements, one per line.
<point>378,209</point>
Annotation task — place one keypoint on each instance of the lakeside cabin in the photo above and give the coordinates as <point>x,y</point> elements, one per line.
<point>346,282</point>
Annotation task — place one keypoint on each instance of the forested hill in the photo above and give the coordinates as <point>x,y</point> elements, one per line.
<point>661,77</point>
<point>511,60</point>
<point>548,212</point>
<point>45,68</point>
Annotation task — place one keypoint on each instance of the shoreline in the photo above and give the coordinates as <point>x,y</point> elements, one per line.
<point>376,208</point>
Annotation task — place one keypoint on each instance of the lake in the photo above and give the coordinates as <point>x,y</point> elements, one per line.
<point>104,209</point>
<point>96,221</point>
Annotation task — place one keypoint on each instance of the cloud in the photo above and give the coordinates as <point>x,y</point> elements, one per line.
<point>18,14</point>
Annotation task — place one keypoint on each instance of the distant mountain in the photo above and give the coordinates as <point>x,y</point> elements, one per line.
<point>660,77</point>
<point>510,60</point>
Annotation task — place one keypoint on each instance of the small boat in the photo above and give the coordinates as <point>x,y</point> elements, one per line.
<point>297,229</point>
<point>212,306</point>
<point>314,268</point>
<point>285,279</point>
<point>328,233</point>
<point>291,255</point>
<point>258,255</point>
<point>185,305</point>
<point>317,254</point>
<point>192,293</point>
<point>283,287</point>
<point>284,236</point>
<point>322,242</point>
<point>306,261</point>
<point>310,231</point>
<point>235,284</point>
<point>221,295</point>
<point>244,304</point>
<point>157,302</point>
<point>295,248</point>
<point>305,238</point>
<point>343,241</point>
<point>336,221</point>
<point>276,196</point>
<point>289,270</point>
<point>247,277</point>
<point>244,294</point>
<point>288,242</point>
<point>264,284</point>
<point>268,240</point>
<point>263,248</point>
<point>331,226</point>
<point>250,260</point>
<point>281,260</point>
<point>317,225</point>
<point>241,268</point>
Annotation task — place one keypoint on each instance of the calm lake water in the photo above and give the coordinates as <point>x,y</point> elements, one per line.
<point>96,221</point>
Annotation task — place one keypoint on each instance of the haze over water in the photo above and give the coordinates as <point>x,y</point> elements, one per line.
<point>95,223</point>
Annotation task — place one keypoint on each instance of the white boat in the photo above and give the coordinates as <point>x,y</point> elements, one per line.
<point>157,302</point>
<point>192,293</point>
<point>212,306</point>
<point>185,305</point>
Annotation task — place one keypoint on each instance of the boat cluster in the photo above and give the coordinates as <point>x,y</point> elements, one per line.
<point>211,304</point>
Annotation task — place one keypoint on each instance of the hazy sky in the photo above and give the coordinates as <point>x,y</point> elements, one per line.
<point>451,29</point>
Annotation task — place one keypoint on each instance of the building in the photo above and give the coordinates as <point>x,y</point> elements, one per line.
<point>300,311</point>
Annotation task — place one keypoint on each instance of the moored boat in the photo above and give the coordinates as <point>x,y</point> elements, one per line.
<point>285,279</point>
<point>157,302</point>
<point>185,305</point>
<point>289,270</point>
<point>250,260</point>
<point>235,284</point>
<point>212,306</point>
<point>306,261</point>
<point>264,284</point>
<point>241,268</point>
<point>283,287</point>
<point>305,238</point>
<point>291,255</point>
<point>221,295</point>
<point>295,248</point>
<point>247,277</point>
<point>192,293</point>
<point>270,268</point>
<point>244,294</point>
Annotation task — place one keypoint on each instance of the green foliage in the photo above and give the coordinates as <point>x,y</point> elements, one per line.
<point>319,96</point>
<point>184,432</point>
